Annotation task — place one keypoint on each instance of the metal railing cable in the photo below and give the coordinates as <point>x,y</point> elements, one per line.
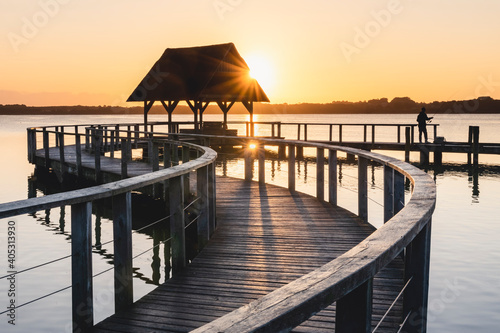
<point>392,305</point>
<point>36,266</point>
<point>39,298</point>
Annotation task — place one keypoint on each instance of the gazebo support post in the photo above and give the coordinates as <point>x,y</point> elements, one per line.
<point>147,107</point>
<point>225,107</point>
<point>249,106</point>
<point>169,107</point>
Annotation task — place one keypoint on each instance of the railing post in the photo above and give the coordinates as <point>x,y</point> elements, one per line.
<point>407,144</point>
<point>61,150</point>
<point>415,297</point>
<point>399,133</point>
<point>46,147</point>
<point>262,163</point>
<point>185,158</point>
<point>81,267</point>
<point>373,133</point>
<point>202,193</point>
<point>154,156</point>
<point>167,158</point>
<point>31,145</point>
<point>112,144</point>
<point>298,132</point>
<point>365,130</point>
<point>362,188</point>
<point>399,191</point>
<point>125,143</point>
<point>353,312</point>
<point>332,177</point>
<point>78,149</point>
<point>320,174</point>
<point>305,132</point>
<point>122,236</point>
<point>412,134</point>
<point>340,133</point>
<point>212,198</point>
<point>291,168</point>
<point>136,135</point>
<point>177,224</point>
<point>87,139</point>
<point>97,154</point>
<point>388,193</point>
<point>248,163</point>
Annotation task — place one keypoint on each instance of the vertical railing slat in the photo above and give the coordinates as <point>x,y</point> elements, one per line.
<point>362,188</point>
<point>291,168</point>
<point>388,193</point>
<point>416,295</point>
<point>320,174</point>
<point>202,193</point>
<point>122,235</point>
<point>353,312</point>
<point>332,177</point>
<point>81,266</point>
<point>177,224</point>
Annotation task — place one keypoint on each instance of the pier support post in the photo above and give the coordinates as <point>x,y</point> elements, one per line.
<point>320,174</point>
<point>81,267</point>
<point>332,177</point>
<point>415,297</point>
<point>354,311</point>
<point>122,235</point>
<point>177,224</point>
<point>291,168</point>
<point>262,163</point>
<point>363,188</point>
<point>424,156</point>
<point>299,152</point>
<point>475,146</point>
<point>388,193</point>
<point>248,163</point>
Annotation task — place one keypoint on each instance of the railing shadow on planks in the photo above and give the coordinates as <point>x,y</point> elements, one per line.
<point>347,280</point>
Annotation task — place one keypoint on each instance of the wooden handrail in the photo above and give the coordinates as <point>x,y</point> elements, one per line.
<point>347,279</point>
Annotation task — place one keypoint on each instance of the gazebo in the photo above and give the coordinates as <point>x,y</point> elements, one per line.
<point>199,76</point>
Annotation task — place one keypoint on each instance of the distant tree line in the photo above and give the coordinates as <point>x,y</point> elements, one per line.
<point>383,105</point>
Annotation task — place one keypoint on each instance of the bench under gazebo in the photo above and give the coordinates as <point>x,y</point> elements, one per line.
<point>199,76</point>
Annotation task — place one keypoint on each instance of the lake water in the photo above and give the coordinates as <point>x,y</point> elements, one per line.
<point>465,255</point>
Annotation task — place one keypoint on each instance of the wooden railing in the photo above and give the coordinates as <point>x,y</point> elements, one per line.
<point>347,280</point>
<point>169,180</point>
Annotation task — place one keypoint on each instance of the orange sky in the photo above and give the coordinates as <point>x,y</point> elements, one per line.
<point>60,52</point>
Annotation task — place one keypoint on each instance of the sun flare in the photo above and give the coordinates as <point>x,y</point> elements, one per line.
<point>261,70</point>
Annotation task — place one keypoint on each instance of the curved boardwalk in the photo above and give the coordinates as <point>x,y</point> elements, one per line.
<point>265,239</point>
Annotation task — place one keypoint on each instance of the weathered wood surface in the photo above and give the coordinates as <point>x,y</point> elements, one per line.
<point>265,239</point>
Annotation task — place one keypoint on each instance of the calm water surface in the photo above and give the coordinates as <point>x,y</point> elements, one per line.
<point>465,256</point>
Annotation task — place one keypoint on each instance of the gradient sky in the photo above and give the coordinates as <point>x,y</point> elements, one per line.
<point>95,52</point>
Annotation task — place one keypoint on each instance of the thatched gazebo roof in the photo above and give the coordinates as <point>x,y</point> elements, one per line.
<point>199,75</point>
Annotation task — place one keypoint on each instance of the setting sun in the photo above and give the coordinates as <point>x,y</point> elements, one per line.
<point>261,70</point>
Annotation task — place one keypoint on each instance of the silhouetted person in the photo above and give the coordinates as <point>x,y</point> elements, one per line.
<point>422,125</point>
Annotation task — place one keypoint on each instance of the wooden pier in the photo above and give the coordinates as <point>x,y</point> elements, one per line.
<point>271,259</point>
